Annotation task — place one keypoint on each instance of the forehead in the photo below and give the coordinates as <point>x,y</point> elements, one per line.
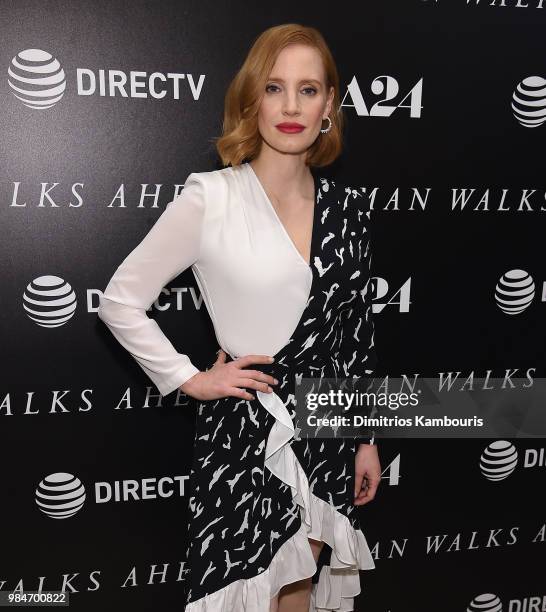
<point>298,61</point>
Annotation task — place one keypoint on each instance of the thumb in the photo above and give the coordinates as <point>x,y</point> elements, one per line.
<point>359,477</point>
<point>221,356</point>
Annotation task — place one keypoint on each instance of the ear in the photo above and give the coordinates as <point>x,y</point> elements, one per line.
<point>330,101</point>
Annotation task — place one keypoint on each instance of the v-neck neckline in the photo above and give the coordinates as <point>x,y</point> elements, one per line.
<point>314,222</point>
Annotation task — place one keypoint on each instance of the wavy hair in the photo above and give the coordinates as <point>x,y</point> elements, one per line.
<point>241,139</point>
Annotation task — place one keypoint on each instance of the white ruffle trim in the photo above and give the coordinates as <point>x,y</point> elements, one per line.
<point>339,582</point>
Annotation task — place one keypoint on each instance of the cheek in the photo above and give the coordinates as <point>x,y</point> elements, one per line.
<point>315,110</point>
<point>268,111</point>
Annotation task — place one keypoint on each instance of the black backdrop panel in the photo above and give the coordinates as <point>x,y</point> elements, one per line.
<point>84,180</point>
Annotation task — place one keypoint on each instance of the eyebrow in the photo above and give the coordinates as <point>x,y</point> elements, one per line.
<point>301,80</point>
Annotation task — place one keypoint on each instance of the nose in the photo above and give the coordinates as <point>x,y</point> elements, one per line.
<point>291,103</point>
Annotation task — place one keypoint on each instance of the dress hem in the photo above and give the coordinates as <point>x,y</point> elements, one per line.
<point>339,582</point>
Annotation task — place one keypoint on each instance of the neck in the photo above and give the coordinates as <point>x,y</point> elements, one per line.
<point>284,174</point>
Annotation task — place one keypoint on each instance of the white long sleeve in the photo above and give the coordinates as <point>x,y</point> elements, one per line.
<point>171,246</point>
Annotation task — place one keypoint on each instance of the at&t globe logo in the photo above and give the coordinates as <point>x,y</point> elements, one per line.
<point>36,78</point>
<point>529,101</point>
<point>49,301</point>
<point>486,602</point>
<point>514,292</point>
<point>60,495</point>
<point>498,460</point>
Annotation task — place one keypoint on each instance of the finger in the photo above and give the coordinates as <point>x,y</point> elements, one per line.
<point>363,495</point>
<point>254,384</point>
<point>364,498</point>
<point>361,500</point>
<point>261,376</point>
<point>236,392</point>
<point>368,493</point>
<point>221,356</point>
<point>246,360</point>
<point>373,485</point>
<point>358,483</point>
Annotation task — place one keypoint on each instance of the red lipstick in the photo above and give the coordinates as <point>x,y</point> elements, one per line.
<point>290,128</point>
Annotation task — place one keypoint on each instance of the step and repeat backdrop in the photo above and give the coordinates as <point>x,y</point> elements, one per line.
<point>106,109</point>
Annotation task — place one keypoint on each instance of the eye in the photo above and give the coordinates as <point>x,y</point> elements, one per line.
<point>310,89</point>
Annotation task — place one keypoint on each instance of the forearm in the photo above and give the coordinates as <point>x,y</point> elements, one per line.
<point>143,338</point>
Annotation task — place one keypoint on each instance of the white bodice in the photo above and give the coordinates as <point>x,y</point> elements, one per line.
<point>254,282</point>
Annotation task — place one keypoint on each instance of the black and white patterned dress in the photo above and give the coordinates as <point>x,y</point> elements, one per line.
<point>257,490</point>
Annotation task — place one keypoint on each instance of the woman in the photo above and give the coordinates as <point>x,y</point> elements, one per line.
<point>282,259</point>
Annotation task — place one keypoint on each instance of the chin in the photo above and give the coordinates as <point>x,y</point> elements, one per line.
<point>292,150</point>
<point>282,143</point>
<point>294,145</point>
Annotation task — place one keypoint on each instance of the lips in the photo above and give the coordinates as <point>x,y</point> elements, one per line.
<point>290,128</point>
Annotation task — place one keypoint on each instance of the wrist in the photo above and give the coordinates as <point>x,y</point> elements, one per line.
<point>185,386</point>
